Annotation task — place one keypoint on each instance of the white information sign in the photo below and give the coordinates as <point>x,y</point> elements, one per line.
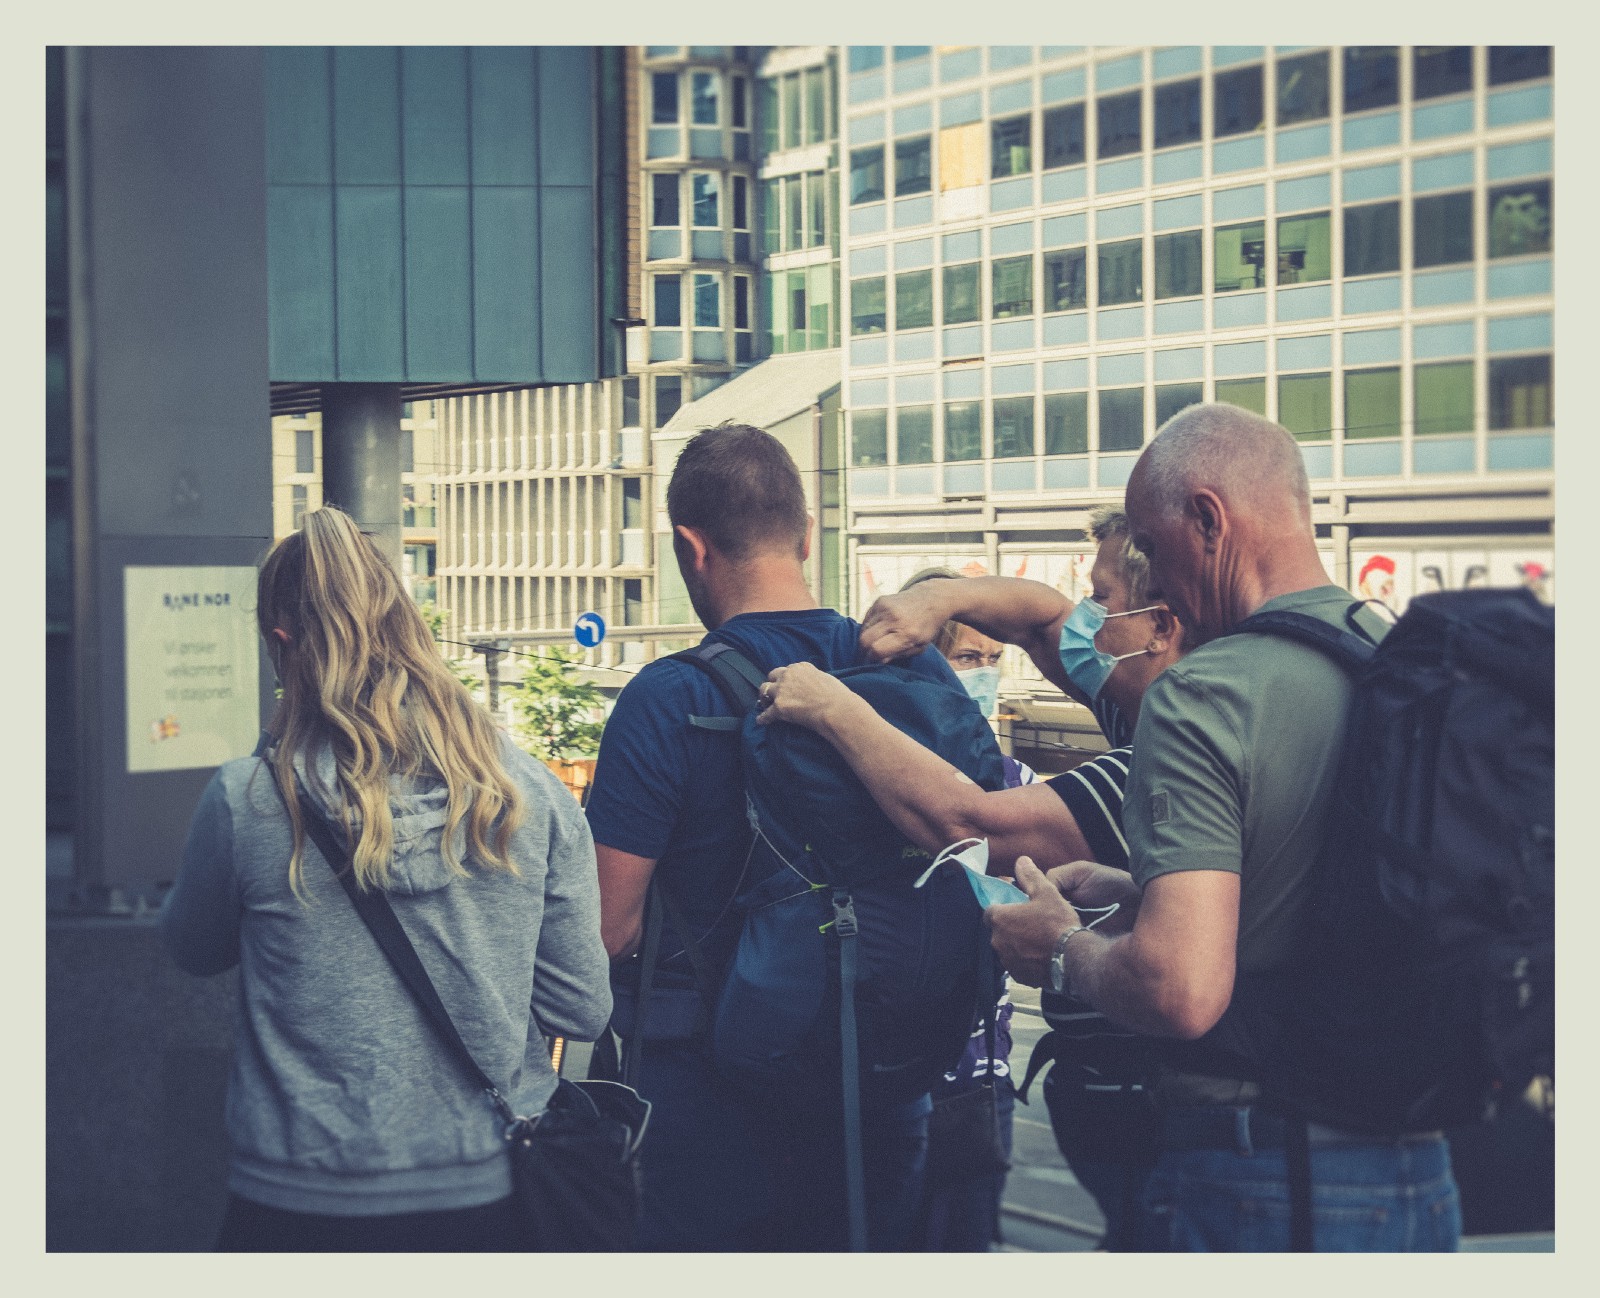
<point>192,666</point>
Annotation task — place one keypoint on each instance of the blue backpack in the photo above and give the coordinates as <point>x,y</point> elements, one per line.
<point>845,977</point>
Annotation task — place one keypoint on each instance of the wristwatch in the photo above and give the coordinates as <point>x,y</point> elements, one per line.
<point>1058,961</point>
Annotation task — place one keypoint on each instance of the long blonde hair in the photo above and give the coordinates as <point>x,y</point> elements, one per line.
<point>361,674</point>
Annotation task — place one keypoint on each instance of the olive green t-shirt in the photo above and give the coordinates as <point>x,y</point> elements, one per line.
<point>1233,766</point>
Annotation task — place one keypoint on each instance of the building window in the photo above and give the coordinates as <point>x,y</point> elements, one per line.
<point>632,503</point>
<point>869,438</point>
<point>961,304</point>
<point>791,111</point>
<point>1178,269</point>
<point>1241,257</point>
<point>771,215</point>
<point>1063,136</point>
<point>913,435</point>
<point>669,302</point>
<point>741,203</point>
<point>664,98</point>
<point>703,98</point>
<point>1372,239</point>
<point>1066,423</point>
<point>767,111</point>
<point>1371,77</point>
<point>913,300</point>
<point>669,396</point>
<point>630,401</point>
<point>795,204</point>
<point>304,451</point>
<point>1011,153</point>
<point>797,309</point>
<point>868,305</point>
<point>408,451</point>
<point>738,103</point>
<point>1012,287</point>
<point>1305,254</point>
<point>817,235</point>
<point>1066,280</point>
<point>1303,88</point>
<point>1372,403</point>
<point>1013,427</point>
<point>1247,394</point>
<point>741,301</point>
<point>962,163</point>
<point>816,106</point>
<point>707,302</point>
<point>963,430</point>
<point>1119,124</point>
<point>866,175</point>
<point>1442,398</point>
<point>1305,406</point>
<point>706,187</point>
<point>632,601</point>
<point>1509,63</point>
<point>1122,419</point>
<point>1441,229</point>
<point>864,58</point>
<point>1519,392</point>
<point>1438,70</point>
<point>1177,113</point>
<point>1121,272</point>
<point>299,498</point>
<point>1173,397</point>
<point>1236,104</point>
<point>913,165</point>
<point>664,194</point>
<point>1519,218</point>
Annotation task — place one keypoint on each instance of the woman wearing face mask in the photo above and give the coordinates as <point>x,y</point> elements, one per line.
<point>352,1127</point>
<point>1104,652</point>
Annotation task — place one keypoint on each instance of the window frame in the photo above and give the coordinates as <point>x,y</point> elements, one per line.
<point>1121,98</point>
<point>1024,121</point>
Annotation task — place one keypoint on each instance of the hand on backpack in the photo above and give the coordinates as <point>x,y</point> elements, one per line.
<point>1024,936</point>
<point>807,696</point>
<point>899,625</point>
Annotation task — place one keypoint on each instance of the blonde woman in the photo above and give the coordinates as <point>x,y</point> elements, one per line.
<point>352,1128</point>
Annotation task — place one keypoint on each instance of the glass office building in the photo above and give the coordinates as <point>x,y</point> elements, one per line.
<point>1048,251</point>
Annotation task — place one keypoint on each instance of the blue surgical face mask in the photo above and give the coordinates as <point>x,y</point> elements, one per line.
<point>1085,665</point>
<point>983,684</point>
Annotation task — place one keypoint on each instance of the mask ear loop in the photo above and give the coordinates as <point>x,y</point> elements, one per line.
<point>959,846</point>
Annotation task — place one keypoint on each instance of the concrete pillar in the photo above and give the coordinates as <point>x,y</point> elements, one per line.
<point>361,458</point>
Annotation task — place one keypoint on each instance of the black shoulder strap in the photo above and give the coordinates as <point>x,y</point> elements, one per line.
<point>1349,650</point>
<point>384,925</point>
<point>739,679</point>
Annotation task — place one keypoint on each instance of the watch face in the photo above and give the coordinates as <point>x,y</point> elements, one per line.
<point>1058,973</point>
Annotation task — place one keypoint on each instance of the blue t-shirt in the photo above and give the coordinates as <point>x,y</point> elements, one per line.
<point>673,792</point>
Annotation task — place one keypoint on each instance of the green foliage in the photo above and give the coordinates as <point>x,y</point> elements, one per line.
<point>555,713</point>
<point>434,616</point>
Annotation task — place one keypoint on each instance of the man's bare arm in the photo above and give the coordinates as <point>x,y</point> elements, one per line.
<point>1171,975</point>
<point>928,800</point>
<point>624,881</point>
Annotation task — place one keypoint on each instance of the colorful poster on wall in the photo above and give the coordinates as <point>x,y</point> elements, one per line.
<point>884,572</point>
<point>1396,574</point>
<point>193,671</point>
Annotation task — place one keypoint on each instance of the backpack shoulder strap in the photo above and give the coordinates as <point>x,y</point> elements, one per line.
<point>739,679</point>
<point>1350,650</point>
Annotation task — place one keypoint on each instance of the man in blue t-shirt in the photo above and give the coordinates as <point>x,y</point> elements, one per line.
<point>724,1170</point>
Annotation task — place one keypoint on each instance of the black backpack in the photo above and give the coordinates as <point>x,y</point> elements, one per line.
<point>1427,986</point>
<point>846,979</point>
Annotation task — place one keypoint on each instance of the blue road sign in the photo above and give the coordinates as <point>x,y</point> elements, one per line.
<point>589,630</point>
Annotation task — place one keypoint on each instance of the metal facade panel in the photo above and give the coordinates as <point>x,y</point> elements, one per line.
<point>366,116</point>
<point>438,282</point>
<point>505,275</point>
<point>299,116</point>
<point>368,269</point>
<point>504,116</point>
<point>566,115</point>
<point>567,302</point>
<point>300,281</point>
<point>434,115</point>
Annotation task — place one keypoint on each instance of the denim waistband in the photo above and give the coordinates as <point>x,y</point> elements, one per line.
<point>1245,1129</point>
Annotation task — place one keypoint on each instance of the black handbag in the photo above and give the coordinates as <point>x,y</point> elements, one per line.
<point>964,1140</point>
<point>575,1166</point>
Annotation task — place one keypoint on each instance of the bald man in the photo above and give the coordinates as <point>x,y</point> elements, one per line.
<point>1234,764</point>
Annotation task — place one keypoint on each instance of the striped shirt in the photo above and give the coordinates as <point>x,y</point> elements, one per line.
<point>1093,794</point>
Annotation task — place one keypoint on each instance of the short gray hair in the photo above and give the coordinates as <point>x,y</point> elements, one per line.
<point>1110,523</point>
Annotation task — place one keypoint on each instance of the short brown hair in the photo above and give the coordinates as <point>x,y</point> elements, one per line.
<point>740,487</point>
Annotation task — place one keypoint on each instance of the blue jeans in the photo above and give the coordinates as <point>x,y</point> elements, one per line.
<point>1379,1198</point>
<point>725,1172</point>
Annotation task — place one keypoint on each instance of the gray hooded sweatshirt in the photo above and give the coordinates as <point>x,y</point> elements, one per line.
<point>341,1099</point>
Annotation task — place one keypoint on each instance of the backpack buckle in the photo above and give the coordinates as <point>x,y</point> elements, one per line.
<point>844,915</point>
